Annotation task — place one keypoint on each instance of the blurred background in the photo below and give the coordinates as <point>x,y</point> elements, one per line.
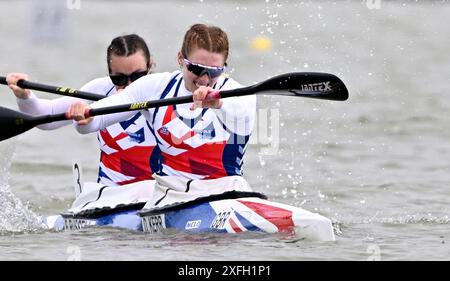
<point>377,165</point>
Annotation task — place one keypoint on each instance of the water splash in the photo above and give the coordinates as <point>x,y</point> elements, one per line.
<point>14,215</point>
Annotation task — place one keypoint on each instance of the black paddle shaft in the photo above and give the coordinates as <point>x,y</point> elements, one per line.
<point>300,84</point>
<point>55,90</point>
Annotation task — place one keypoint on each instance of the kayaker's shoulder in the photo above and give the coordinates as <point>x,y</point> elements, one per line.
<point>158,79</point>
<point>226,82</point>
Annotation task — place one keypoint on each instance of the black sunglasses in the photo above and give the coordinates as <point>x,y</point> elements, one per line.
<point>200,70</point>
<point>122,79</point>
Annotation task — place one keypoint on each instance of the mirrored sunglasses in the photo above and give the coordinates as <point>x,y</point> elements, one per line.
<point>200,70</point>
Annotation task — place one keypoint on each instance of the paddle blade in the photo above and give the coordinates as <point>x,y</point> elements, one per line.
<point>13,123</point>
<point>307,84</point>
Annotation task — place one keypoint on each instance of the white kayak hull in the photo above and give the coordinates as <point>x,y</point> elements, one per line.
<point>226,216</point>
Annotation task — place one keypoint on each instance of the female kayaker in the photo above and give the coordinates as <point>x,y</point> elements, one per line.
<point>203,140</point>
<point>128,151</point>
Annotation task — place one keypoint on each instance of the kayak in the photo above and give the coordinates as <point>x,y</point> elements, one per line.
<point>236,215</point>
<point>125,207</point>
<point>226,215</point>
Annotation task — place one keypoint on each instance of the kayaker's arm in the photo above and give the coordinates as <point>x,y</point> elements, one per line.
<point>142,89</point>
<point>37,106</point>
<point>93,124</point>
<point>237,113</point>
<point>29,103</point>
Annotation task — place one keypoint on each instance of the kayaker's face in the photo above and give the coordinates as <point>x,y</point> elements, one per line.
<point>125,70</point>
<point>196,61</point>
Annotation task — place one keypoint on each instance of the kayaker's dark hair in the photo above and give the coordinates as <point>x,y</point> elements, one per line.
<point>210,38</point>
<point>127,45</point>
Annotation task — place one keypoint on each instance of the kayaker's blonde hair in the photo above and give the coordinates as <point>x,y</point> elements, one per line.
<point>208,37</point>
